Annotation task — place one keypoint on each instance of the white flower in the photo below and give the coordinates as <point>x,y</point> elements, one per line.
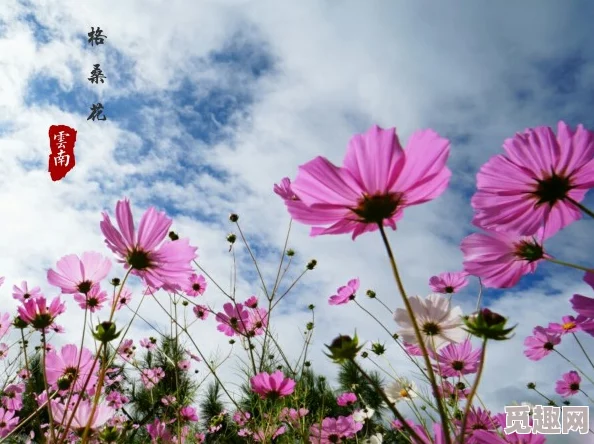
<point>378,438</point>
<point>401,389</point>
<point>439,324</point>
<point>362,414</point>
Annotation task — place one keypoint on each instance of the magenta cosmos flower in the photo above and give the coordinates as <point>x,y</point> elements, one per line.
<point>62,368</point>
<point>37,313</point>
<point>541,344</point>
<point>536,182</point>
<point>333,430</point>
<point>448,282</point>
<point>501,259</point>
<point>8,421</point>
<point>569,384</point>
<point>78,275</point>
<point>346,399</point>
<point>234,320</point>
<point>93,300</point>
<point>160,263</point>
<point>571,324</point>
<point>195,286</point>
<point>377,181</point>
<point>455,360</point>
<point>272,385</point>
<point>345,293</point>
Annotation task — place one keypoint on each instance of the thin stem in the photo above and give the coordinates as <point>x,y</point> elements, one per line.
<point>473,391</point>
<point>575,366</point>
<point>390,404</point>
<point>25,350</point>
<point>568,264</point>
<point>583,349</point>
<point>45,384</point>
<point>580,206</point>
<point>419,337</point>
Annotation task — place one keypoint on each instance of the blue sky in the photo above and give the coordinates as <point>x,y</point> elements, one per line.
<point>210,104</point>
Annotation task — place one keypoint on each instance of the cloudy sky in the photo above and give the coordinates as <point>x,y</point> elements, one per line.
<point>210,103</point>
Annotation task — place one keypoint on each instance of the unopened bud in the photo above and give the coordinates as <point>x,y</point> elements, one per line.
<point>233,217</point>
<point>173,236</point>
<point>311,264</point>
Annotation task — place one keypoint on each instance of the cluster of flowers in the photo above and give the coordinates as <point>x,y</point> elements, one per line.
<point>524,197</point>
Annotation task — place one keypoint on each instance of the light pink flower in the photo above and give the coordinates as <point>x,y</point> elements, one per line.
<point>126,349</point>
<point>532,183</point>
<point>93,300</point>
<point>36,312</point>
<point>448,282</point>
<point>184,365</point>
<point>63,364</point>
<point>257,321</point>
<point>501,259</point>
<point>149,343</point>
<point>82,414</point>
<point>345,293</point>
<point>78,275</point>
<point>160,263</point>
<point>3,351</point>
<point>377,181</point>
<point>5,324</point>
<point>13,397</point>
<point>8,421</point>
<point>151,377</point>
<point>272,384</point>
<point>541,344</point>
<point>569,384</point>
<point>158,431</point>
<point>438,322</point>
<point>241,418</point>
<point>251,302</point>
<point>124,298</point>
<point>234,320</point>
<point>196,285</point>
<point>23,293</point>
<point>116,399</point>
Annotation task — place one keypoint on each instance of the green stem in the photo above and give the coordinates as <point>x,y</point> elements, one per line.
<point>411,314</point>
<point>581,207</point>
<point>568,264</point>
<point>473,391</point>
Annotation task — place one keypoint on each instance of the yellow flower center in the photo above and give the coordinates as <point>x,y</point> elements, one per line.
<point>569,326</point>
<point>404,393</point>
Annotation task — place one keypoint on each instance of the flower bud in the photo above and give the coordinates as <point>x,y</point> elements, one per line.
<point>378,348</point>
<point>344,348</point>
<point>290,252</point>
<point>64,382</point>
<point>231,238</point>
<point>19,323</point>
<point>115,282</point>
<point>370,294</point>
<point>233,217</point>
<point>486,324</point>
<point>531,385</point>
<point>106,332</point>
<point>310,325</point>
<point>311,264</point>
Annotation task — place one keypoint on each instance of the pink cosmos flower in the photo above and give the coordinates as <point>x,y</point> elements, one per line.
<point>257,321</point>
<point>377,181</point>
<point>23,293</point>
<point>569,384</point>
<point>292,416</point>
<point>184,365</point>
<point>454,392</point>
<point>149,343</point>
<point>333,429</point>
<point>412,349</point>
<point>168,400</point>
<point>501,259</point>
<point>234,320</point>
<point>200,311</point>
<point>535,181</point>
<point>346,399</point>
<point>5,324</point>
<point>126,349</point>
<point>3,351</point>
<point>448,283</point>
<point>116,399</point>
<point>458,359</point>
<point>570,324</point>
<point>583,305</point>
<point>13,397</point>
<point>160,263</point>
<point>269,385</point>
<point>82,414</point>
<point>283,189</point>
<point>8,421</point>
<point>345,293</point>
<point>188,414</point>
<point>36,312</point>
<point>124,298</point>
<point>241,418</point>
<point>158,431</point>
<point>251,302</point>
<point>478,419</point>
<point>541,344</point>
<point>196,285</point>
<point>151,377</point>
<point>78,275</point>
<point>63,364</point>
<point>93,300</point>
